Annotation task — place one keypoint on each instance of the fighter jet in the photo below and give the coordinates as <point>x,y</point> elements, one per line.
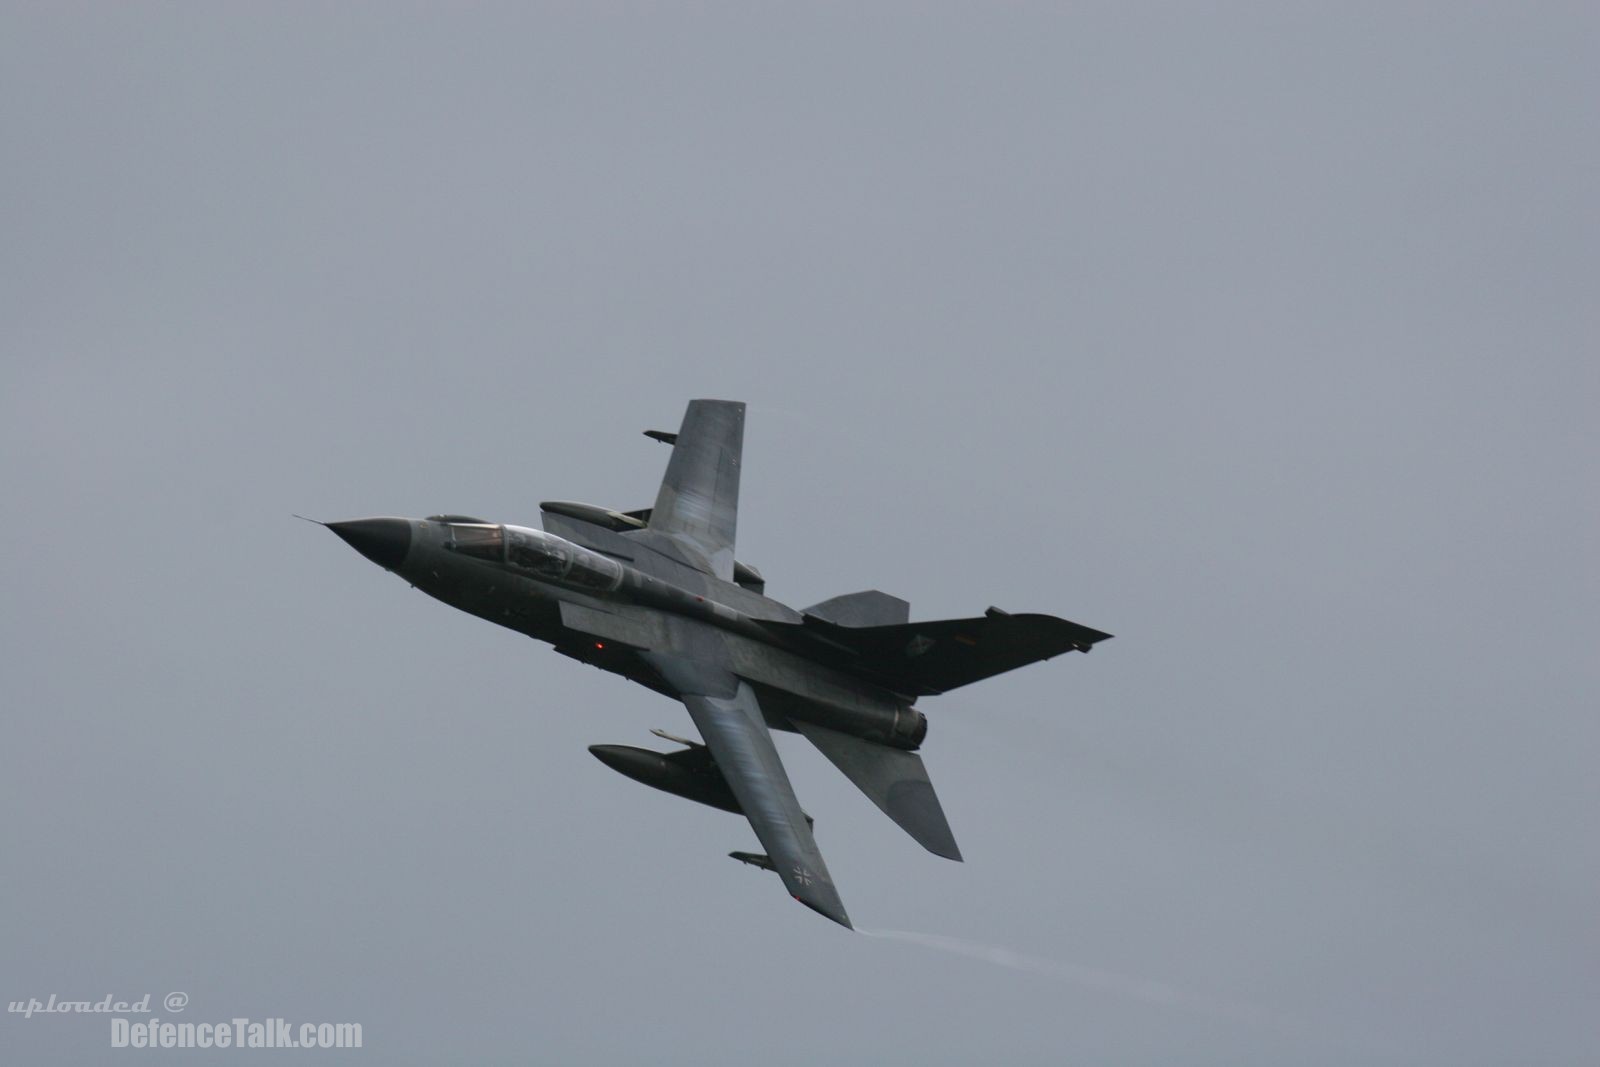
<point>657,597</point>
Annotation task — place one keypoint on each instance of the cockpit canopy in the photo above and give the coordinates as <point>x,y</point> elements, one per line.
<point>536,553</point>
<point>479,540</point>
<point>553,559</point>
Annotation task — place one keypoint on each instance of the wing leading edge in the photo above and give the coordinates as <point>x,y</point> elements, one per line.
<point>725,711</point>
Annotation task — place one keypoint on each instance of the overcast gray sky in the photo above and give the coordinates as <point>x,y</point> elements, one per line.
<point>1262,336</point>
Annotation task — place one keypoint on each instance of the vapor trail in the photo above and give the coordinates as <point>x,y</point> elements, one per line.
<point>1150,992</point>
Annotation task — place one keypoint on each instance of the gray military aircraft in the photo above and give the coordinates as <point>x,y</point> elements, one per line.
<point>657,597</point>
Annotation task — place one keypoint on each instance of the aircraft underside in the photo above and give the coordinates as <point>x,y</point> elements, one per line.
<point>656,596</point>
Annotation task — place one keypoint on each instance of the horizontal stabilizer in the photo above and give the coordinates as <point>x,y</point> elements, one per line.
<point>893,779</point>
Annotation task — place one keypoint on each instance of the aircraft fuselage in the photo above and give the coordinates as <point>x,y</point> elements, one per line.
<point>531,581</point>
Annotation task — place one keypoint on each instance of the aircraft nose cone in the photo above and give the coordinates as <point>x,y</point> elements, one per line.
<point>614,756</point>
<point>383,541</point>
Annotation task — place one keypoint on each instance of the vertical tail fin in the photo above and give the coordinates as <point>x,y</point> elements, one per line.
<point>927,658</point>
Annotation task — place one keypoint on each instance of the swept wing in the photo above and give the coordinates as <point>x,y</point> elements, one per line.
<point>697,506</point>
<point>725,711</point>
